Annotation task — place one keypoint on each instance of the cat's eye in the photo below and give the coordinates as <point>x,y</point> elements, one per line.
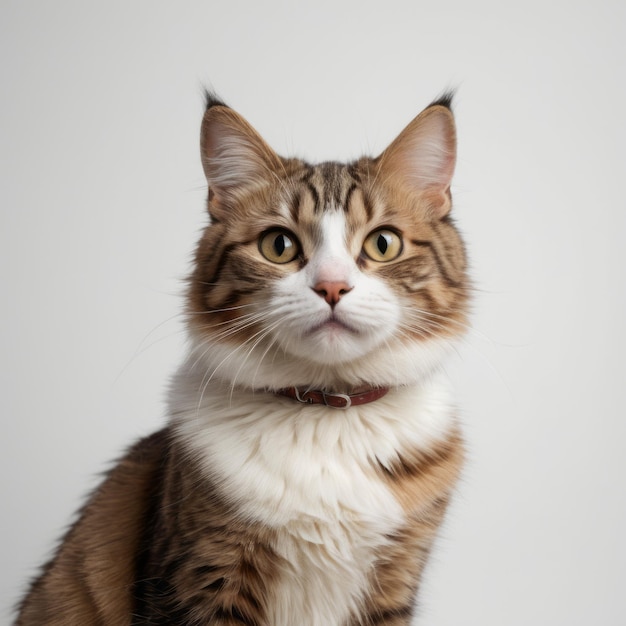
<point>383,245</point>
<point>279,246</point>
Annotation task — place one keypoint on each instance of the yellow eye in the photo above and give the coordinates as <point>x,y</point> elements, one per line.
<point>279,246</point>
<point>383,245</point>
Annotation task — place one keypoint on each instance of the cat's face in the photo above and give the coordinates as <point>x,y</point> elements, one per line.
<point>330,274</point>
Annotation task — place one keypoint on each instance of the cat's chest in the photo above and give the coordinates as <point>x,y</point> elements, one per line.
<point>293,467</point>
<point>311,481</point>
<point>287,465</point>
<point>313,476</point>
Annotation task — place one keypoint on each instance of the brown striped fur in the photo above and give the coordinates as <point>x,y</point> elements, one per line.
<point>162,540</point>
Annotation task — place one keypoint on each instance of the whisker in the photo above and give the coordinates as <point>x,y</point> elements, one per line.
<point>206,380</point>
<point>237,325</point>
<point>262,336</point>
<point>420,314</point>
<point>141,347</point>
<point>215,311</point>
<point>419,317</point>
<point>269,347</point>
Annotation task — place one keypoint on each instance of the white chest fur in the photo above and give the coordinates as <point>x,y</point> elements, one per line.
<point>308,472</point>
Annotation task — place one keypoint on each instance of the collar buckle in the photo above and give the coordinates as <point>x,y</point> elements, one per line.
<point>341,396</point>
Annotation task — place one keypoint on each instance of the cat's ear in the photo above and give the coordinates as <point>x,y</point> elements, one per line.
<point>234,156</point>
<point>422,158</point>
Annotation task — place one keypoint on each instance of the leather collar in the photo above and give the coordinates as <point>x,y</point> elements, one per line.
<point>334,400</point>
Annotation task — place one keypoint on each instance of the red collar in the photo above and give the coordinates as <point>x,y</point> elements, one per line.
<point>334,400</point>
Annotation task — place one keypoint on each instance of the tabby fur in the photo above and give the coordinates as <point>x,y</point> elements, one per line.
<point>249,507</point>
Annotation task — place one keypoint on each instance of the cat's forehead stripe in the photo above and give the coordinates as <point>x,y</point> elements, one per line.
<point>330,186</point>
<point>346,202</point>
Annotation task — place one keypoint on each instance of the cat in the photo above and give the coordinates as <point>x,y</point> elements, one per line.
<point>312,445</point>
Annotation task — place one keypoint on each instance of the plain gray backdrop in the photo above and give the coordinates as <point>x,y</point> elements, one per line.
<point>102,201</point>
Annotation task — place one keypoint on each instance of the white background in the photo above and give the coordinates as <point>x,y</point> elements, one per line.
<point>102,200</point>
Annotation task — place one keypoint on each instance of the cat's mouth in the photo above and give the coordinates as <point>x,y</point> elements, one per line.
<point>334,325</point>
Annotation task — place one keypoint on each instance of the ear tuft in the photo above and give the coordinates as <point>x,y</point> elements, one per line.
<point>211,99</point>
<point>444,100</point>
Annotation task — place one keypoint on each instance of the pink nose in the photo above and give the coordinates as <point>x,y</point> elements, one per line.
<point>331,291</point>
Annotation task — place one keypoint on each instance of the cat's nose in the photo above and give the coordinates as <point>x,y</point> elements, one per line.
<point>332,291</point>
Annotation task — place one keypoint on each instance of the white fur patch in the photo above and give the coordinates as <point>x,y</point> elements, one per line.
<point>308,472</point>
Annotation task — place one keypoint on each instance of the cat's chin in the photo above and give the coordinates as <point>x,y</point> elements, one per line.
<point>333,343</point>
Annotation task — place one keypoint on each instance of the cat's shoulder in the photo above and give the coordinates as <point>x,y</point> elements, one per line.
<point>129,486</point>
<point>93,571</point>
<point>143,457</point>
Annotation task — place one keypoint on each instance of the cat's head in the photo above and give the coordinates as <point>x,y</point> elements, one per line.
<point>330,275</point>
